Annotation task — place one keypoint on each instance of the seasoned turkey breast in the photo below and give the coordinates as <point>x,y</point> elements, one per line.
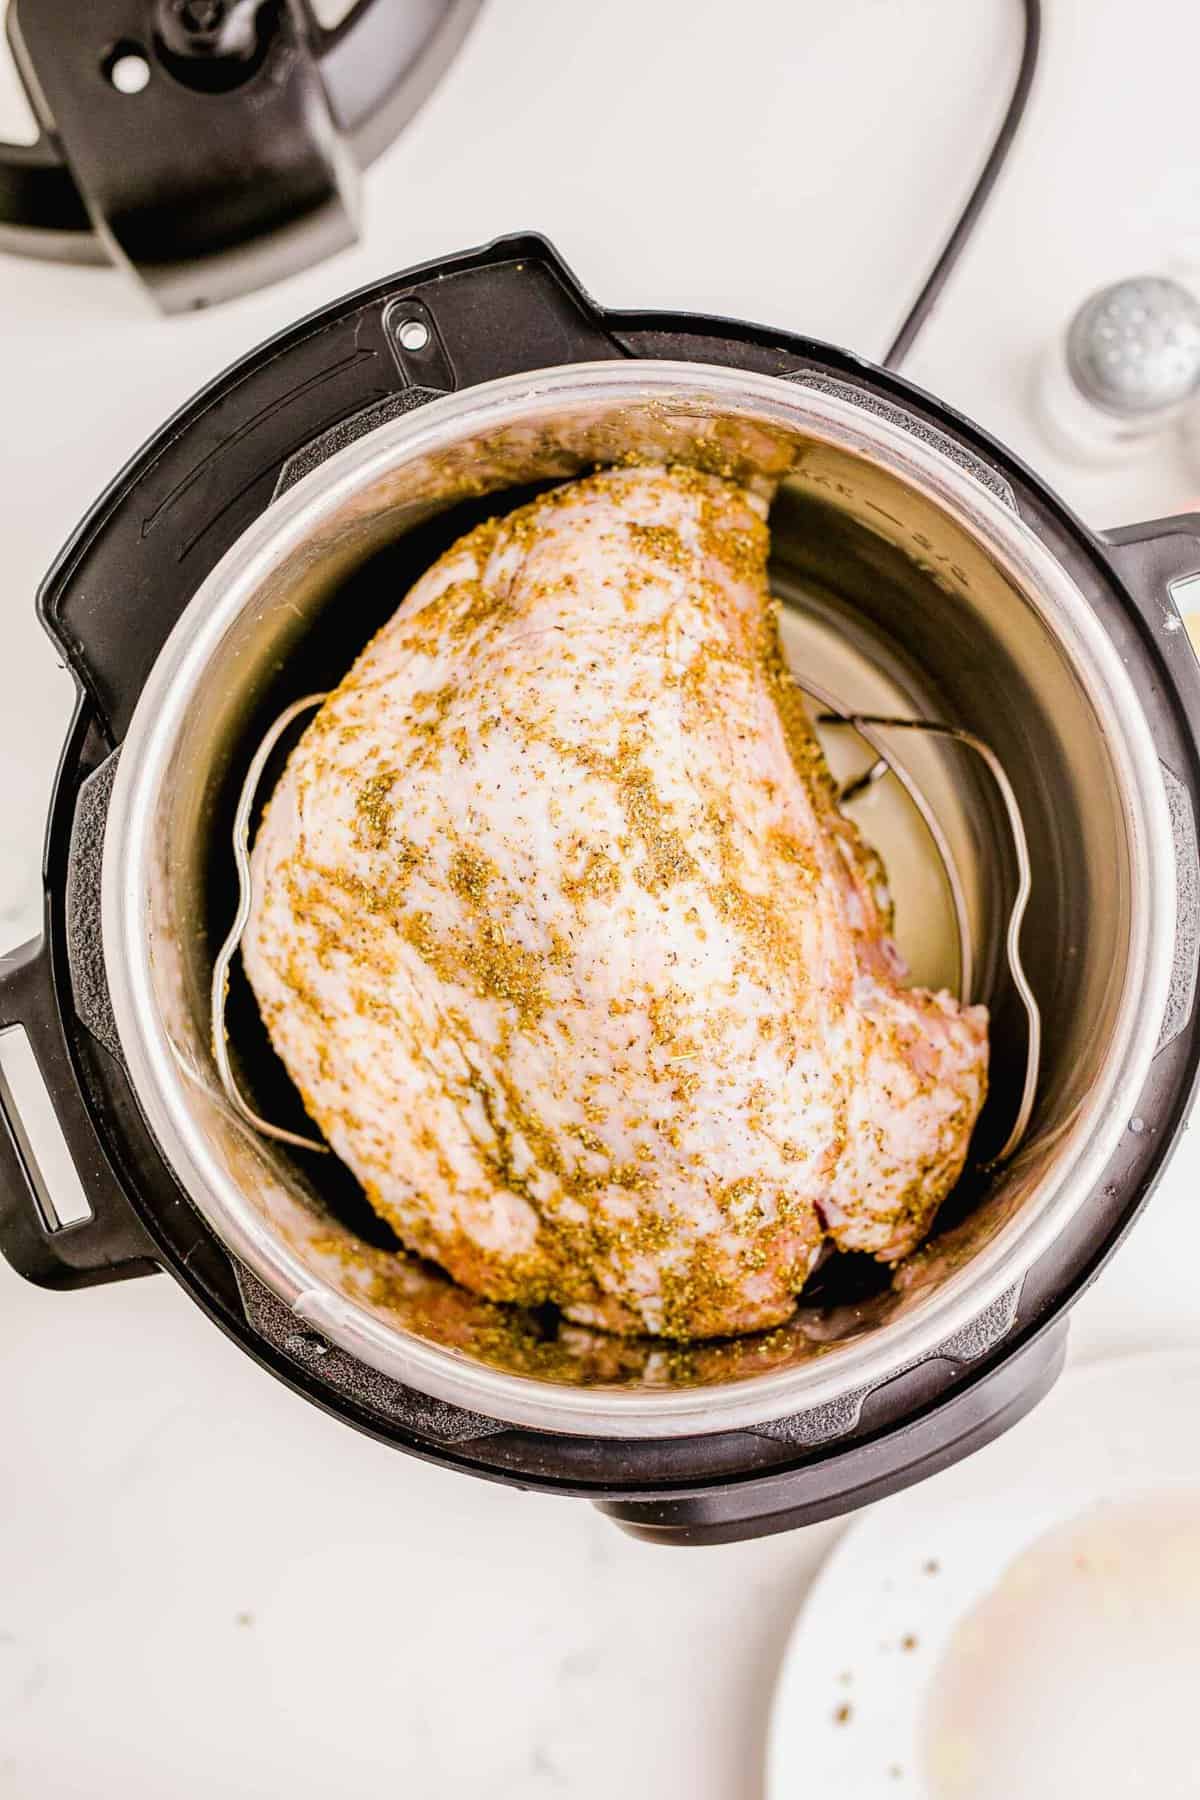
<point>560,933</point>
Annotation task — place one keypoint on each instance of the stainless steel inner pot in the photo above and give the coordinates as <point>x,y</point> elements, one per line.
<point>909,584</point>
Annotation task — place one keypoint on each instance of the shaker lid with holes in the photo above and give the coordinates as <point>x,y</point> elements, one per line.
<point>1134,347</point>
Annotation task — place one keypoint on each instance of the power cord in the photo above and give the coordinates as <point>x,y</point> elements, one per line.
<point>926,300</point>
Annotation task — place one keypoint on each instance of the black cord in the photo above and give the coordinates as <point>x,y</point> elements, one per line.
<point>927,299</point>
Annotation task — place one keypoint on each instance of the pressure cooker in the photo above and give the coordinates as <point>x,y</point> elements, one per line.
<point>244,557</point>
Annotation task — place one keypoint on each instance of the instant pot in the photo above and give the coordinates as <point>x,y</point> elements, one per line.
<point>243,558</point>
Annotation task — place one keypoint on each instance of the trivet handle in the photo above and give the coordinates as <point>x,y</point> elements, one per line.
<point>100,1238</point>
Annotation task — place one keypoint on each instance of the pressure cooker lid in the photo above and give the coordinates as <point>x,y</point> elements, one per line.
<point>211,146</point>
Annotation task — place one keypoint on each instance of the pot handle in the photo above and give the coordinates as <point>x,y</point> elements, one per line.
<point>58,1232</point>
<point>1157,562</point>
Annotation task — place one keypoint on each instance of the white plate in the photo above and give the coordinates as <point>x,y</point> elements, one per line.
<point>850,1715</point>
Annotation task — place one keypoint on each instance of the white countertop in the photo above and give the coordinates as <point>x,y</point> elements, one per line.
<point>205,1585</point>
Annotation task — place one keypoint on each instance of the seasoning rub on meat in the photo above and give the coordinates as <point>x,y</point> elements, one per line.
<point>561,935</point>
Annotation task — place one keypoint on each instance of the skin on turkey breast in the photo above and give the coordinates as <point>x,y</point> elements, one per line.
<point>560,934</point>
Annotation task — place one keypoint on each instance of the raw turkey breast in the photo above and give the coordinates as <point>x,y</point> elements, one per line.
<point>560,933</point>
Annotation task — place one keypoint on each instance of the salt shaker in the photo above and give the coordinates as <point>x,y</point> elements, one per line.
<point>1124,370</point>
